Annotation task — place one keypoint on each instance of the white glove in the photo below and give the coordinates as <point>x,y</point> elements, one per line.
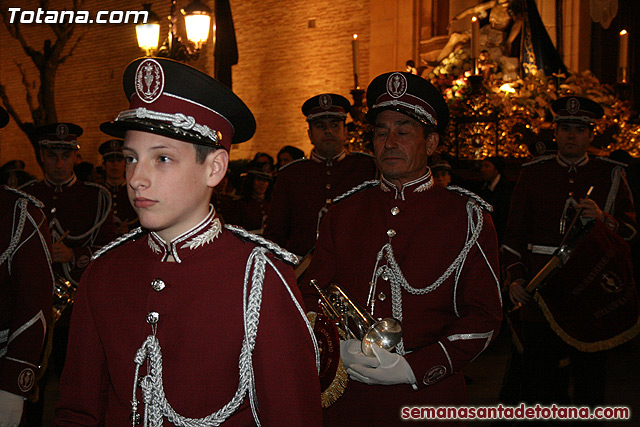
<point>391,368</point>
<point>351,353</point>
<point>10,409</point>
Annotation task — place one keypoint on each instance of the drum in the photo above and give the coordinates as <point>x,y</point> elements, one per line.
<point>592,302</point>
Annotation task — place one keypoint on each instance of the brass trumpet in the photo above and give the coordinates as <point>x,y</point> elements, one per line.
<point>356,322</point>
<point>63,295</point>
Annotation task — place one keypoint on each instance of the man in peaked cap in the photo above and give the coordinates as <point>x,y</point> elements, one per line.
<point>178,286</point>
<point>26,283</point>
<point>78,214</point>
<point>551,191</point>
<point>395,245</point>
<point>124,215</point>
<point>441,171</point>
<point>77,210</point>
<point>305,188</point>
<point>250,210</point>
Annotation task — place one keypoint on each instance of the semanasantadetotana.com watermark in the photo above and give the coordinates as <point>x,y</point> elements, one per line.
<point>41,16</point>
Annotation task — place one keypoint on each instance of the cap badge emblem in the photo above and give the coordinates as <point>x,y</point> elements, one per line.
<point>149,80</point>
<point>325,101</point>
<point>62,131</point>
<point>573,105</point>
<point>396,85</point>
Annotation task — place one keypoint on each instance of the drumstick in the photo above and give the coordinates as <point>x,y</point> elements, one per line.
<point>555,261</point>
<point>575,218</point>
<point>61,238</point>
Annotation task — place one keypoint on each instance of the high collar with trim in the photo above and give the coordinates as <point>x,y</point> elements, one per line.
<point>425,182</point>
<point>188,242</point>
<point>563,161</point>
<point>329,161</point>
<point>60,185</point>
<point>115,186</point>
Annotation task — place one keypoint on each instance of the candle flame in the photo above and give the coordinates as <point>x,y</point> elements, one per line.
<point>355,36</point>
<point>623,32</point>
<point>507,88</point>
<point>474,19</point>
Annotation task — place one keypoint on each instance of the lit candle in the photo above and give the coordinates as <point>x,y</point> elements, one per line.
<point>475,37</point>
<point>356,59</point>
<point>624,48</point>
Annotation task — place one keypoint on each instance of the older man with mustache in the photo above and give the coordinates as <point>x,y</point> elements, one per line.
<point>405,248</point>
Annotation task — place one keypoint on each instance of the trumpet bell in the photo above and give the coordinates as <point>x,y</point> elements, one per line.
<point>386,333</point>
<point>352,321</point>
<point>63,295</point>
<point>356,322</point>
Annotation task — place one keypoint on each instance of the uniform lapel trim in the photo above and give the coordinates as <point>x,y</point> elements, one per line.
<point>199,236</point>
<point>425,182</point>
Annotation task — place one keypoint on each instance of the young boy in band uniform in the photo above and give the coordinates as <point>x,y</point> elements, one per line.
<point>184,321</point>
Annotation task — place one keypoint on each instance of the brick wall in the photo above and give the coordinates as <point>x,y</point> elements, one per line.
<point>282,62</point>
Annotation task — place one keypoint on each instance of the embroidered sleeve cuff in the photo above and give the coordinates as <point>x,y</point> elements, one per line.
<point>17,377</point>
<point>430,364</point>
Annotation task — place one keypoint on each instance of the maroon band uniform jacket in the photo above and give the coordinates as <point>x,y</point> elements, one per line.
<point>121,208</point>
<point>83,209</point>
<point>26,286</point>
<point>451,318</point>
<point>303,189</point>
<point>194,307</point>
<point>542,203</point>
<point>249,213</point>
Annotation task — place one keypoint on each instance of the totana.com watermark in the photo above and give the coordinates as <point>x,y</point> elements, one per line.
<point>41,16</point>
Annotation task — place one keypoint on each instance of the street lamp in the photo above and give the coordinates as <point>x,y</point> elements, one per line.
<point>197,18</point>
<point>148,33</point>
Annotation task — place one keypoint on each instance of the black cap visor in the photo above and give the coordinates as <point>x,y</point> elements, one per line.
<point>373,113</point>
<point>118,128</point>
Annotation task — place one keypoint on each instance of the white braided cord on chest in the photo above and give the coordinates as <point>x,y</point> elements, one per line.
<point>156,404</point>
<point>102,213</point>
<point>20,210</point>
<point>392,272</point>
<point>616,176</point>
